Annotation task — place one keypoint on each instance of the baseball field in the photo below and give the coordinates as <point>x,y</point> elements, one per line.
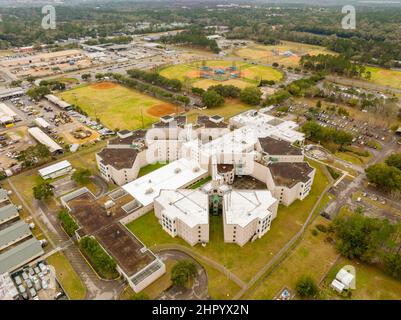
<point>247,74</point>
<point>117,106</point>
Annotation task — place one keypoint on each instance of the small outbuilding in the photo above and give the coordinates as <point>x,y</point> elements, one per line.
<point>55,170</point>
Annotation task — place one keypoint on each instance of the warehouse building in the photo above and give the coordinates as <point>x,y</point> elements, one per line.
<point>44,139</point>
<point>58,102</point>
<point>7,115</point>
<point>9,93</point>
<point>17,244</point>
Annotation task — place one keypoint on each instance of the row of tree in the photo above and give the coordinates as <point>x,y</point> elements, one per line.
<point>214,96</point>
<point>150,89</point>
<point>100,260</point>
<point>156,79</point>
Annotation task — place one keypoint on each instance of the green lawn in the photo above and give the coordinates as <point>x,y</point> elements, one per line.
<point>313,256</point>
<point>385,77</point>
<point>247,260</point>
<point>117,106</point>
<point>68,278</point>
<point>201,183</point>
<point>231,107</point>
<point>150,167</point>
<point>371,282</point>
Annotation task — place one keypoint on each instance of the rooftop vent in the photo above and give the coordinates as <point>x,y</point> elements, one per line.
<point>149,191</point>
<point>177,170</point>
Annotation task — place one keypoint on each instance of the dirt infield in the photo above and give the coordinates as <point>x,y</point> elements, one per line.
<point>162,109</point>
<point>104,85</point>
<point>193,74</point>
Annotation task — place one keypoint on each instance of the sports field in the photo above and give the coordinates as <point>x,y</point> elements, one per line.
<point>117,106</point>
<point>385,77</point>
<point>276,53</point>
<point>249,74</point>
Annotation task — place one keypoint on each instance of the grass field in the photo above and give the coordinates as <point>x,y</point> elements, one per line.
<point>117,106</point>
<point>371,283</point>
<point>67,276</point>
<point>230,108</point>
<point>274,53</point>
<point>250,74</point>
<point>385,77</point>
<point>247,260</point>
<point>313,257</point>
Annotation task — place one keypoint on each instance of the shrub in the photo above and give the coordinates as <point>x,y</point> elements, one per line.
<point>67,222</point>
<point>321,228</point>
<point>306,287</point>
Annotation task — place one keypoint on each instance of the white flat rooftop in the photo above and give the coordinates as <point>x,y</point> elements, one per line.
<point>266,125</point>
<point>237,141</point>
<point>190,206</point>
<point>173,176</point>
<point>243,206</point>
<point>54,168</point>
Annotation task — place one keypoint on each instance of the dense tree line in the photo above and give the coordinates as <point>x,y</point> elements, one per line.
<point>333,64</point>
<point>150,89</point>
<point>297,88</point>
<point>100,260</point>
<point>156,79</point>
<point>386,176</point>
<point>369,239</point>
<point>194,38</point>
<point>68,223</point>
<point>214,96</point>
<point>318,133</point>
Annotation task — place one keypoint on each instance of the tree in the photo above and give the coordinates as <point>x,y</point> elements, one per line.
<point>251,95</point>
<point>306,287</point>
<point>318,104</point>
<point>392,264</point>
<point>37,93</point>
<point>99,76</point>
<point>86,76</point>
<point>385,177</point>
<point>394,160</point>
<point>360,237</point>
<point>183,272</point>
<point>81,175</point>
<point>43,191</point>
<point>212,99</point>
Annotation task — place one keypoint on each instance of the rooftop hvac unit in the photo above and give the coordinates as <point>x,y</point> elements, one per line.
<point>196,169</point>
<point>108,204</point>
<point>177,170</point>
<point>149,191</point>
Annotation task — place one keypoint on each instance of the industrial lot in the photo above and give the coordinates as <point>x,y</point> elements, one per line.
<point>115,169</point>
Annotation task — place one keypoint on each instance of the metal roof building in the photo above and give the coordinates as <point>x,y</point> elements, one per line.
<point>55,170</point>
<point>14,233</point>
<point>58,102</point>
<point>7,213</point>
<point>44,139</point>
<point>11,93</point>
<point>42,123</point>
<point>20,255</point>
